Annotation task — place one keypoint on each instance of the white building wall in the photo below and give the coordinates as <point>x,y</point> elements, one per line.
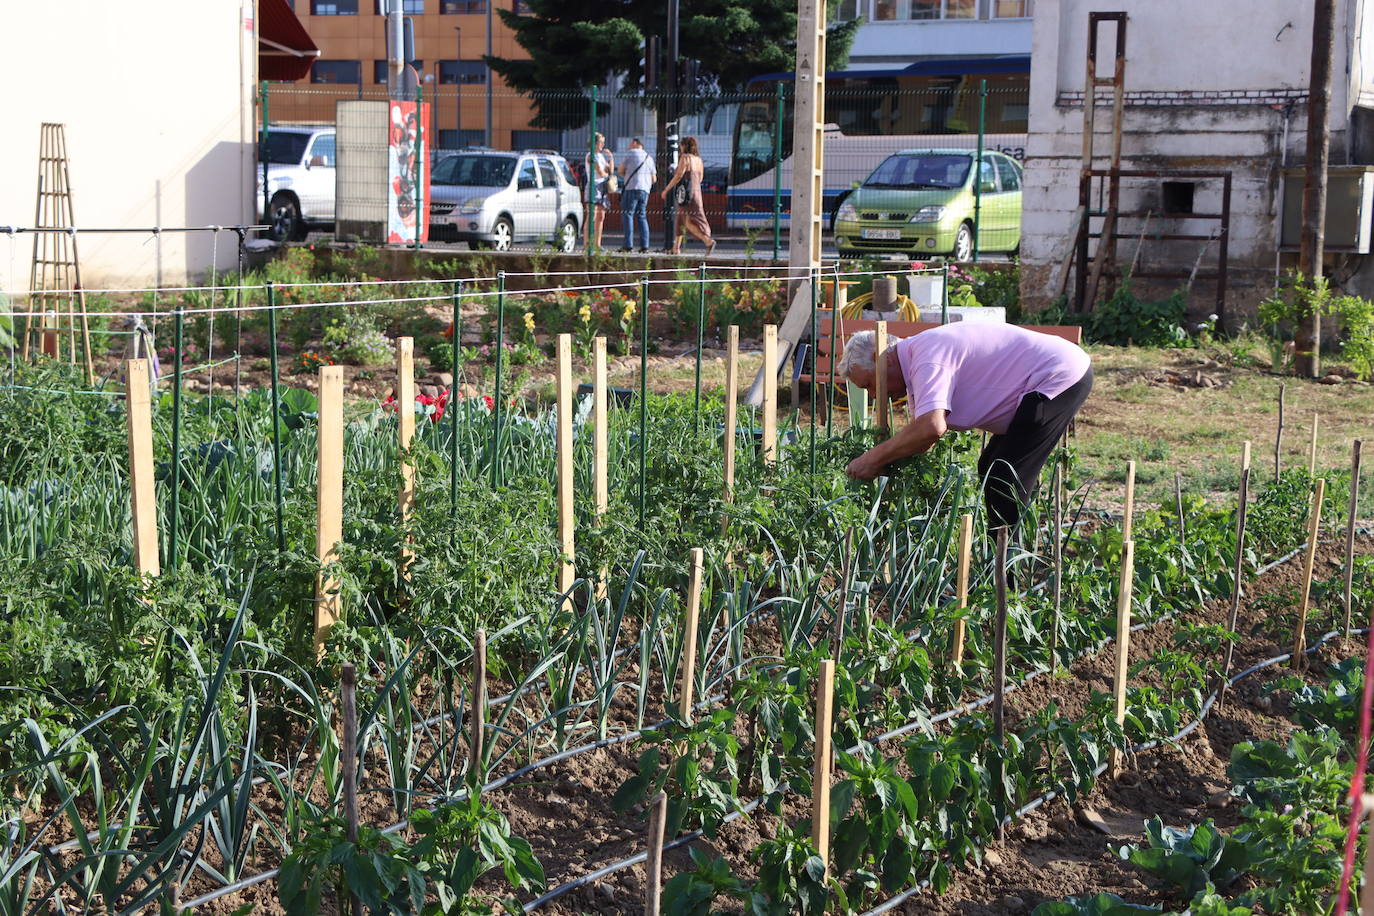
<point>914,39</point>
<point>157,98</point>
<point>1209,87</point>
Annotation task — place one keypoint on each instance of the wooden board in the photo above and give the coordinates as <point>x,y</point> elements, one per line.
<point>770,397</point>
<point>143,495</point>
<point>405,406</point>
<point>329,493</point>
<point>567,518</point>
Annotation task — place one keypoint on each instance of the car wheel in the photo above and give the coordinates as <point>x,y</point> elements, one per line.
<point>284,215</point>
<point>963,243</point>
<point>503,233</point>
<point>566,240</point>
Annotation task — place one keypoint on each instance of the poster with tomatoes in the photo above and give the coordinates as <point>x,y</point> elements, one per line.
<point>407,209</point>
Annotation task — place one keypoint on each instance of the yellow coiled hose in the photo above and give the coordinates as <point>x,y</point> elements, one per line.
<point>854,308</point>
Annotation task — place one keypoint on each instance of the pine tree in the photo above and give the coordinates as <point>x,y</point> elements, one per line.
<point>576,44</point>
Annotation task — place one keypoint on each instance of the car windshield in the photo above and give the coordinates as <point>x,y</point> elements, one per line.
<point>284,148</point>
<point>923,171</point>
<point>475,171</point>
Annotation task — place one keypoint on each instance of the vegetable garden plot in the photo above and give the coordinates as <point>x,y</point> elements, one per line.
<point>189,725</point>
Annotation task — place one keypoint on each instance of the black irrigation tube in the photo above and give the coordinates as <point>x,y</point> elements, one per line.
<point>888,905</point>
<point>962,709</point>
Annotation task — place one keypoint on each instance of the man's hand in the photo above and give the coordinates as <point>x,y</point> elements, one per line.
<point>865,467</point>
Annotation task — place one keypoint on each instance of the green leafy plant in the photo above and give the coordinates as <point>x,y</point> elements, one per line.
<point>1093,905</point>
<point>700,774</point>
<point>1193,858</point>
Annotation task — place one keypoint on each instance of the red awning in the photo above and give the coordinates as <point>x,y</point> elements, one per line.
<point>285,51</point>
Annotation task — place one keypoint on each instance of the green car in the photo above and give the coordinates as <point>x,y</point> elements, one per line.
<point>920,202</point>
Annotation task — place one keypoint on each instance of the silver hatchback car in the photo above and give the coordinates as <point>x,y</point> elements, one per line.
<point>493,199</point>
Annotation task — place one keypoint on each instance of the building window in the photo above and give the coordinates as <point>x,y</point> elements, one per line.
<point>520,7</point>
<point>381,68</point>
<point>1178,196</point>
<point>336,71</point>
<point>535,139</point>
<point>461,139</point>
<point>1012,9</point>
<point>409,7</point>
<point>463,72</point>
<point>462,6</point>
<point>333,7</point>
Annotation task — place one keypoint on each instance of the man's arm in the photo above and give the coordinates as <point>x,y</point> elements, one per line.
<point>916,438</point>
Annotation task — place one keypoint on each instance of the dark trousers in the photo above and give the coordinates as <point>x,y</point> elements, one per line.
<point>1010,464</point>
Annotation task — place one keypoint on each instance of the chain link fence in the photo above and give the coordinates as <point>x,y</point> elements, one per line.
<point>504,169</point>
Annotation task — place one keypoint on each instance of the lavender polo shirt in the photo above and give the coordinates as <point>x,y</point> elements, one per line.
<point>980,372</point>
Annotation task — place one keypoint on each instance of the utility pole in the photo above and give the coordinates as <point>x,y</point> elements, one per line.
<point>1309,335</point>
<point>670,131</point>
<point>491,131</point>
<point>397,46</point>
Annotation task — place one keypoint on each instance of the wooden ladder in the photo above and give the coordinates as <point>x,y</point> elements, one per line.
<point>55,277</point>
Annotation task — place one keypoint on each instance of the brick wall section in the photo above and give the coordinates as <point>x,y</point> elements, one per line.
<point>1190,98</point>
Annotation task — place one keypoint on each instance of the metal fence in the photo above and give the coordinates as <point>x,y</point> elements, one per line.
<point>744,139</point>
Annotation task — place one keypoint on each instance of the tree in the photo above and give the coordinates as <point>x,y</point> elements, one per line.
<point>576,44</point>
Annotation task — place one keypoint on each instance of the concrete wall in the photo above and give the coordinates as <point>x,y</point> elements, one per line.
<point>157,99</point>
<point>903,42</point>
<point>1219,86</point>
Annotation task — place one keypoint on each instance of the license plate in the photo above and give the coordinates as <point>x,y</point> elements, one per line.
<point>441,219</point>
<point>883,234</point>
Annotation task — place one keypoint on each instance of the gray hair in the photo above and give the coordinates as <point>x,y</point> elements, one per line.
<point>861,352</point>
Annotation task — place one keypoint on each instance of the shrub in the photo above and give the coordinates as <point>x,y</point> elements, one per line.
<point>355,338</point>
<point>1127,319</point>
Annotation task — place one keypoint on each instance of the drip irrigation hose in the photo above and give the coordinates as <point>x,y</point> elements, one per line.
<point>888,905</point>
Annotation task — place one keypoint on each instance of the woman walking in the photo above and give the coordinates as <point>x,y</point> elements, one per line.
<point>599,174</point>
<point>690,215</point>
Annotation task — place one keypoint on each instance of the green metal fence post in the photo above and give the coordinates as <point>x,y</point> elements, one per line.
<point>978,168</point>
<point>457,369</point>
<point>944,293</point>
<point>174,527</point>
<point>419,165</point>
<point>701,335</point>
<point>643,395</point>
<point>591,179</point>
<point>276,414</point>
<point>262,155</point>
<point>496,407</point>
<point>777,174</point>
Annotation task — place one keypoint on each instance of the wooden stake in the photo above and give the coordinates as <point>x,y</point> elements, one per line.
<point>329,528</point>
<point>479,705</point>
<point>1350,533</point>
<point>600,444</point>
<point>687,665</point>
<point>1278,437</point>
<point>1313,531</point>
<point>1057,552</point>
<point>405,405</point>
<point>820,782</point>
<point>731,401</point>
<point>1245,455</point>
<point>600,426</point>
<point>1123,641</point>
<point>770,395</point>
<point>880,374</point>
<point>961,588</point>
<point>1312,449</point>
<point>1128,510</point>
<point>1238,570</point>
<point>567,519</point>
<point>999,640</point>
<point>653,889</point>
<point>1178,507</point>
<point>143,495</point>
<point>349,762</point>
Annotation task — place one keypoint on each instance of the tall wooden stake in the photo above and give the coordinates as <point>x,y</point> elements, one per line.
<point>405,406</point>
<point>143,495</point>
<point>567,518</point>
<point>961,588</point>
<point>1123,641</point>
<point>1312,449</point>
<point>479,707</point>
<point>601,494</point>
<point>731,402</point>
<point>1128,509</point>
<point>820,780</point>
<point>1350,534</point>
<point>349,754</point>
<point>880,373</point>
<point>1313,532</point>
<point>1238,570</point>
<point>770,396</point>
<point>687,665</point>
<point>653,889</point>
<point>999,650</point>
<point>329,528</point>
<point>1058,555</point>
<point>1278,437</point>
